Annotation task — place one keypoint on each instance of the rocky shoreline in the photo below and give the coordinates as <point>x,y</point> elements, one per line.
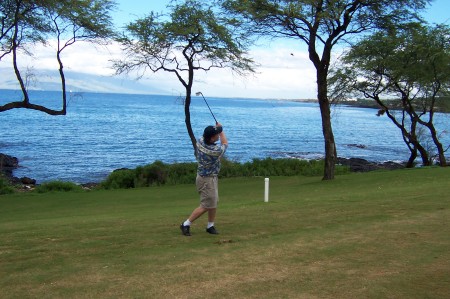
<point>362,165</point>
<point>9,163</point>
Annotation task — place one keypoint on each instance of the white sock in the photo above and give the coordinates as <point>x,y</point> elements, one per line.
<point>210,224</point>
<point>187,223</point>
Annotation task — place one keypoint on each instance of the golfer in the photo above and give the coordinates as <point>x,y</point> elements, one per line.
<point>208,156</point>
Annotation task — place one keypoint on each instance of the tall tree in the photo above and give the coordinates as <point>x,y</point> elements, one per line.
<point>27,22</point>
<point>408,77</point>
<point>192,38</point>
<point>321,25</point>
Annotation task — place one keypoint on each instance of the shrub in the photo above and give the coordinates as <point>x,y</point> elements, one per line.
<point>182,173</point>
<point>5,186</point>
<point>159,173</point>
<point>153,174</point>
<point>119,179</point>
<point>275,167</point>
<point>231,169</point>
<point>58,186</point>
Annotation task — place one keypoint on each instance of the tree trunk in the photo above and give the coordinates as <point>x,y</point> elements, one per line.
<point>412,157</point>
<point>409,137</point>
<point>187,120</point>
<point>26,99</point>
<point>412,137</point>
<point>187,102</point>
<point>439,147</point>
<point>414,147</point>
<point>330,146</point>
<point>63,83</point>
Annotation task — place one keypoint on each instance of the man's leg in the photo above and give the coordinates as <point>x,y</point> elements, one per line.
<point>212,214</point>
<point>185,226</point>
<point>211,217</point>
<point>197,213</point>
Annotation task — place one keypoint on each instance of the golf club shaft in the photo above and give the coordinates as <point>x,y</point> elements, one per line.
<point>209,108</point>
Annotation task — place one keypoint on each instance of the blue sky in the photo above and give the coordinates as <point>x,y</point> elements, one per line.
<point>280,75</point>
<point>438,12</point>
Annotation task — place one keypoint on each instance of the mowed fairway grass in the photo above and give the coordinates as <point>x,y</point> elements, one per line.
<point>373,235</point>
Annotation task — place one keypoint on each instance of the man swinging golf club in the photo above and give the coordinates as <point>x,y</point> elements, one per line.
<point>208,156</point>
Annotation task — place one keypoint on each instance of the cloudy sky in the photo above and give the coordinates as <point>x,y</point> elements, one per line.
<point>285,70</point>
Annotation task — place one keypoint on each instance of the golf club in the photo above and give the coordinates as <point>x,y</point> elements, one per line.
<point>200,93</point>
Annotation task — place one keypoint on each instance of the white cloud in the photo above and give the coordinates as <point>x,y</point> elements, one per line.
<point>283,73</point>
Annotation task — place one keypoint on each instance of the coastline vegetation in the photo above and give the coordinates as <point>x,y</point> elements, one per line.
<point>442,104</point>
<point>159,173</point>
<point>5,186</point>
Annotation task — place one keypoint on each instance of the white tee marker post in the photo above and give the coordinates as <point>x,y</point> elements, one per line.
<point>266,190</point>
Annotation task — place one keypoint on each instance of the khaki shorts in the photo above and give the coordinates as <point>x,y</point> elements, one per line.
<point>208,189</point>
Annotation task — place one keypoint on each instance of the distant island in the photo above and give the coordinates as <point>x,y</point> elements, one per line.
<point>444,106</point>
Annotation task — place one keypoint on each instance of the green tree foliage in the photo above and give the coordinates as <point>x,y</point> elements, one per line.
<point>321,25</point>
<point>27,22</point>
<point>192,38</point>
<point>407,72</point>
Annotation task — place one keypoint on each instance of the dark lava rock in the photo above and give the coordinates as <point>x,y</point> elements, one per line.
<point>362,165</point>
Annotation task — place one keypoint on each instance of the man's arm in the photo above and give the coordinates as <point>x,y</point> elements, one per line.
<point>222,136</point>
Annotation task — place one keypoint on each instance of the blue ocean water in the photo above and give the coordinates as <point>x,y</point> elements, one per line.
<point>103,132</point>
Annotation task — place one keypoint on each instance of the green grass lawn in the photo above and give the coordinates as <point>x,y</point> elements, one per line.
<point>373,235</point>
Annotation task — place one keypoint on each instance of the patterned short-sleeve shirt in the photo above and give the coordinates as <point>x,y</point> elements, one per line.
<point>208,157</point>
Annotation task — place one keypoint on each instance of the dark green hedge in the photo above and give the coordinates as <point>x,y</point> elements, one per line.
<point>159,173</point>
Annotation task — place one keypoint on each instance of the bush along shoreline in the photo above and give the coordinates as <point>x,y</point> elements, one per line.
<point>159,173</point>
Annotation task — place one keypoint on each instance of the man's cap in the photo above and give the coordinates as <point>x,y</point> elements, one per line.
<point>210,131</point>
